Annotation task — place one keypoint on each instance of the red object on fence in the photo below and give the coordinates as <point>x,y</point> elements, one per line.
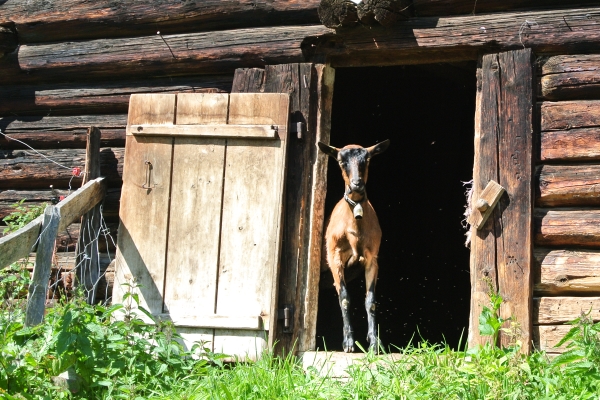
<point>77,171</point>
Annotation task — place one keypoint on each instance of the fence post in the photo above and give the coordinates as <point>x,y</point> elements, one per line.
<point>38,290</point>
<point>87,254</point>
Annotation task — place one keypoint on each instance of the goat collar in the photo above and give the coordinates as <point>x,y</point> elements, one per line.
<point>357,209</point>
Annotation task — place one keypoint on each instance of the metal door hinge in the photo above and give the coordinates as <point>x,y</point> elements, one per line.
<point>298,128</point>
<point>287,315</point>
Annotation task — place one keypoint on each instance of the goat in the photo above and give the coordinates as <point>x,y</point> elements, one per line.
<point>353,235</point>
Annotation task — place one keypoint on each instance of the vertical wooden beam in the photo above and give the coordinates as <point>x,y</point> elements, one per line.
<point>501,252</point>
<point>38,289</point>
<point>88,255</point>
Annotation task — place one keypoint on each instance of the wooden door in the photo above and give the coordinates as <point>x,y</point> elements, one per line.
<point>201,214</point>
<point>501,250</point>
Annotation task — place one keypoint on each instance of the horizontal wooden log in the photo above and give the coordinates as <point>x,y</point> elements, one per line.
<point>66,240</point>
<point>8,198</point>
<point>545,338</point>
<point>566,115</point>
<point>560,310</point>
<point>8,40</point>
<point>454,7</point>
<point>62,132</point>
<point>564,272</point>
<point>571,145</point>
<point>167,55</point>
<point>569,77</point>
<point>567,227</point>
<point>432,39</point>
<point>81,19</point>
<point>99,97</point>
<point>27,169</point>
<point>568,185</point>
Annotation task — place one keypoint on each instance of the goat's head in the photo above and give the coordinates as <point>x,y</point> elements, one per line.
<point>354,162</point>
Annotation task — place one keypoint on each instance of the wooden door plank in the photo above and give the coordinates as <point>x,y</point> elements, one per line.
<point>514,250</point>
<point>142,239</point>
<point>251,218</point>
<point>201,108</point>
<point>151,109</point>
<point>249,131</point>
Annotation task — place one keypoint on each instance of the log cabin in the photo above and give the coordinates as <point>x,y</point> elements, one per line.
<point>487,90</point>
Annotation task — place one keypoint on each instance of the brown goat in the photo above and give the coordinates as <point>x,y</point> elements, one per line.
<point>353,234</point>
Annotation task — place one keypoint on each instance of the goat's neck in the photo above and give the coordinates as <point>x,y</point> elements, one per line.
<point>351,201</point>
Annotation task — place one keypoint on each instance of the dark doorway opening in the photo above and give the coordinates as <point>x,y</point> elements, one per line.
<point>416,187</point>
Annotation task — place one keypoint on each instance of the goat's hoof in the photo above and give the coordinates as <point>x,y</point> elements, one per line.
<point>373,345</point>
<point>348,345</point>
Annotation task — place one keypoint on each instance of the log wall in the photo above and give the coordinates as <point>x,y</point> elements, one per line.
<point>567,209</point>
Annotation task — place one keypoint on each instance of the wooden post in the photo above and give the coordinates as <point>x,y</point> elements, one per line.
<point>38,289</point>
<point>88,256</point>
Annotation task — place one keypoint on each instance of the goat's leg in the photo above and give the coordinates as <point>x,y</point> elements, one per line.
<point>370,304</point>
<point>337,269</point>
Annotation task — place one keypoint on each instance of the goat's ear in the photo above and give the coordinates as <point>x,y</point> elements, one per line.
<point>378,148</point>
<point>332,151</point>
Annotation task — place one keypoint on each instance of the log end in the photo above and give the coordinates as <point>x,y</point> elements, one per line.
<point>337,13</point>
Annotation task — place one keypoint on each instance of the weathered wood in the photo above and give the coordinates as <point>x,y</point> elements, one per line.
<point>560,310</point>
<point>568,185</point>
<point>483,206</point>
<point>145,199</point>
<point>66,240</point>
<point>26,169</point>
<point>98,97</point>
<point>20,243</point>
<point>88,272</point>
<point>215,321</point>
<point>248,80</point>
<point>8,40</point>
<point>503,146</point>
<point>386,12</point>
<point>563,272</point>
<point>337,13</point>
<point>453,7</point>
<point>8,198</point>
<point>38,287</point>
<point>80,19</point>
<point>48,132</point>
<point>85,198</point>
<point>246,131</point>
<point>432,39</point>
<point>569,77</point>
<point>545,337</point>
<point>571,145</point>
<point>193,53</point>
<point>567,227</point>
<point>565,115</point>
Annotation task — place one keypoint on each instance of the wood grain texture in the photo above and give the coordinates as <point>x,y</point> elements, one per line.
<point>337,13</point>
<point>170,55</point>
<point>432,39</point>
<point>91,97</point>
<point>563,272</point>
<point>545,337</point>
<point>80,19</point>
<point>452,7</point>
<point>566,115</point>
<point>568,185</point>
<point>569,77</point>
<point>211,130</point>
<point>62,132</point>
<point>66,240</point>
<point>85,198</point>
<point>19,243</point>
<point>560,310</point>
<point>571,145</point>
<point>567,227</point>
<point>21,169</point>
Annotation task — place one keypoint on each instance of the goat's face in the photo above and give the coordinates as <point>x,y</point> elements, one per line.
<point>354,162</point>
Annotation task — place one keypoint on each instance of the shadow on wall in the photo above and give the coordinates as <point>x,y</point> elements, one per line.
<point>417,189</point>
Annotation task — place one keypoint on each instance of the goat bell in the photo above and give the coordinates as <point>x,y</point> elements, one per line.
<point>358,211</point>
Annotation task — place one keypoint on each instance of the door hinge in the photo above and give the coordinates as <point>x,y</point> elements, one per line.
<point>298,128</point>
<point>287,315</point>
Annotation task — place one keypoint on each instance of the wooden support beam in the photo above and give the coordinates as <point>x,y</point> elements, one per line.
<point>560,310</point>
<point>167,55</point>
<point>567,227</point>
<point>569,77</point>
<point>432,39</point>
<point>93,97</point>
<point>81,19</point>
<point>36,298</point>
<point>571,145</point>
<point>566,272</point>
<point>26,169</point>
<point>454,7</point>
<point>568,185</point>
<point>63,132</point>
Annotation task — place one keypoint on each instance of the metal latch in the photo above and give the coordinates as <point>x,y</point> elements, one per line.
<point>287,315</point>
<point>297,127</point>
